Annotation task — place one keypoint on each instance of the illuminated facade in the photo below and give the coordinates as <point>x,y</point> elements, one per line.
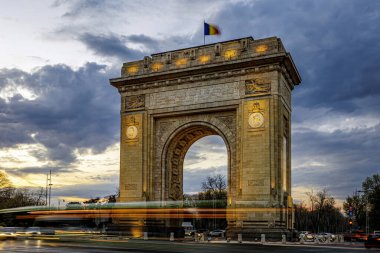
<point>239,90</point>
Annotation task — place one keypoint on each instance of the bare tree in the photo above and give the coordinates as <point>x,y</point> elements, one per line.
<point>215,183</point>
<point>321,215</point>
<point>11,197</point>
<point>4,181</point>
<point>214,188</point>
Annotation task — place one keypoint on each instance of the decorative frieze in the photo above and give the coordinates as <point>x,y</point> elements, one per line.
<point>134,102</point>
<point>257,86</point>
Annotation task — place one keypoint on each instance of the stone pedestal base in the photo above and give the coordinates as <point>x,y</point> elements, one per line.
<point>154,228</point>
<point>254,234</point>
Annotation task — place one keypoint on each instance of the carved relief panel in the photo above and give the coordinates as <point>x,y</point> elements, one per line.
<point>134,102</point>
<point>257,86</point>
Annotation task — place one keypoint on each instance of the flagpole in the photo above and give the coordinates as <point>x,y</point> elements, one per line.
<point>204,36</point>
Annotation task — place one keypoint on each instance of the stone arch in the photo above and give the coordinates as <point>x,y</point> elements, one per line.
<point>176,147</point>
<point>245,99</point>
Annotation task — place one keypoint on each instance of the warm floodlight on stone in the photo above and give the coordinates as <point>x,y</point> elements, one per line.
<point>204,58</point>
<point>261,48</point>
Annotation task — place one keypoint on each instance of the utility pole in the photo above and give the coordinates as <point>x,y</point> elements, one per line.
<point>50,184</point>
<point>46,190</point>
<point>366,212</point>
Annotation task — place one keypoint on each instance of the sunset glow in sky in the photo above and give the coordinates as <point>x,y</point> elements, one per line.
<point>59,113</point>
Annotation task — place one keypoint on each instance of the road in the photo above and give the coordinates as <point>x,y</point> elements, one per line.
<point>139,246</point>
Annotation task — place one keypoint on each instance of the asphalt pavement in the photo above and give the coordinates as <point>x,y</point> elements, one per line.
<point>159,246</point>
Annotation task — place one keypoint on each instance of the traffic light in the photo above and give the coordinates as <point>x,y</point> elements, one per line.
<point>350,222</point>
<point>350,211</point>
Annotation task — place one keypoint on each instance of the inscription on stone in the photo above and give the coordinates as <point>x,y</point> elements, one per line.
<point>196,95</point>
<point>255,182</point>
<point>130,187</point>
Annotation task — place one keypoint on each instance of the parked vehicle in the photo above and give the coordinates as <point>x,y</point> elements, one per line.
<point>307,236</point>
<point>217,233</point>
<point>202,231</point>
<point>190,232</point>
<point>323,237</point>
<point>373,241</point>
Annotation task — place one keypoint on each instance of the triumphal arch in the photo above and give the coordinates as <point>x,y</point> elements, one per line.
<point>239,90</point>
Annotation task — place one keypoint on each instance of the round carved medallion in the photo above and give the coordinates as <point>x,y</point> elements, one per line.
<point>132,132</point>
<point>256,120</point>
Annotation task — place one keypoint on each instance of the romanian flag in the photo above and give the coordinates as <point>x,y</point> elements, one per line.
<point>211,29</point>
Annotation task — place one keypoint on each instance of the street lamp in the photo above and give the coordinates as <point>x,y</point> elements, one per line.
<point>366,212</point>
<point>213,209</point>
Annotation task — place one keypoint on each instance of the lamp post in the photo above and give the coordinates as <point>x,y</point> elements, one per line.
<point>366,212</point>
<point>213,208</point>
<point>50,184</point>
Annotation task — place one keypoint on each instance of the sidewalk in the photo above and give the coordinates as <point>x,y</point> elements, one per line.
<point>117,241</point>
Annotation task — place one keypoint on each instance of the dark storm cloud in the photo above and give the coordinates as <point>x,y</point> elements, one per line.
<point>343,159</point>
<point>335,44</point>
<point>73,109</point>
<point>78,9</point>
<point>110,46</point>
<point>336,47</point>
<point>39,170</point>
<point>142,39</point>
<point>116,46</point>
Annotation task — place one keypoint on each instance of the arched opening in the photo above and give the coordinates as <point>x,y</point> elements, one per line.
<point>205,172</point>
<point>174,155</point>
<point>210,213</point>
<point>207,157</point>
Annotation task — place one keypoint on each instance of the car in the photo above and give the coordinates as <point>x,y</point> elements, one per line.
<point>307,236</point>
<point>355,235</point>
<point>33,231</point>
<point>373,241</point>
<point>7,236</point>
<point>322,237</point>
<point>217,233</point>
<point>202,231</point>
<point>74,206</point>
<point>190,232</point>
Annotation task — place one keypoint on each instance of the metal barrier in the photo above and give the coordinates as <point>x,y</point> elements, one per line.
<point>240,238</point>
<point>262,238</point>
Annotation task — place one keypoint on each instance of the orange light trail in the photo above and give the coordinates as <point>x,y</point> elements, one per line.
<point>149,213</point>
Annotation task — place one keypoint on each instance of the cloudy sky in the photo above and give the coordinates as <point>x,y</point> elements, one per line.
<point>58,112</point>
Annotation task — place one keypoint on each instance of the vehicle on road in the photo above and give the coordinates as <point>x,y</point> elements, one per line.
<point>307,236</point>
<point>355,235</point>
<point>217,233</point>
<point>323,237</point>
<point>7,236</point>
<point>33,231</point>
<point>373,241</point>
<point>74,206</point>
